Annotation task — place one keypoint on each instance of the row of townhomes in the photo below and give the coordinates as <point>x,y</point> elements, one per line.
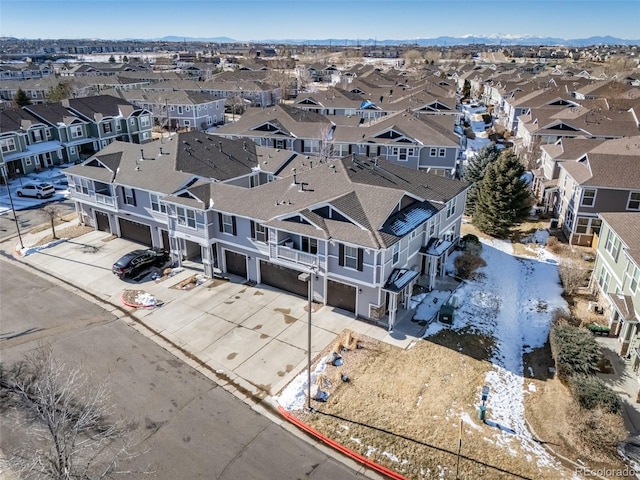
<point>43,135</point>
<point>367,229</point>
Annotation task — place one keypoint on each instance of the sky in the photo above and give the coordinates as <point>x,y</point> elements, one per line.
<point>317,19</point>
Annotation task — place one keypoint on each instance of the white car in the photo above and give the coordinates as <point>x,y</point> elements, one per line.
<point>37,190</point>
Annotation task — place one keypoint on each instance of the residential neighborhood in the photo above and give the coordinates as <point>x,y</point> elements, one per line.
<point>357,244</point>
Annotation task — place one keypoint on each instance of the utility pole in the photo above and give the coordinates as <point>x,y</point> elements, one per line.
<point>15,218</point>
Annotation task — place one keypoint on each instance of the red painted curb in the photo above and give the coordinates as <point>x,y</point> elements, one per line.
<point>356,456</point>
<point>133,305</point>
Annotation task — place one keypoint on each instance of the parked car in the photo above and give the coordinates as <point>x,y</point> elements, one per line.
<point>37,190</point>
<point>135,262</point>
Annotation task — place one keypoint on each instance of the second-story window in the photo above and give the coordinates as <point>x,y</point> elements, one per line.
<point>310,245</point>
<point>612,245</point>
<point>106,127</point>
<point>129,196</point>
<point>350,257</point>
<point>588,197</point>
<point>635,279</point>
<point>179,109</point>
<point>144,121</point>
<point>260,232</point>
<point>8,144</point>
<point>76,131</point>
<point>634,201</point>
<point>396,252</point>
<point>156,206</point>
<point>227,223</point>
<point>186,217</point>
<point>451,208</point>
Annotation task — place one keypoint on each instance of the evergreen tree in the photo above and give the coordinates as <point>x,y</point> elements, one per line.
<point>112,59</point>
<point>474,173</point>
<point>466,89</point>
<point>504,199</point>
<point>21,98</point>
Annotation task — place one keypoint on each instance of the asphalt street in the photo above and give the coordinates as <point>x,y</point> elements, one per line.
<point>188,426</point>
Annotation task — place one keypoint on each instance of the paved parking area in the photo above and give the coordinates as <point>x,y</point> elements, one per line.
<point>251,336</point>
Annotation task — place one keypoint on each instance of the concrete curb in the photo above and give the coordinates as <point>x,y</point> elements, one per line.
<point>342,449</point>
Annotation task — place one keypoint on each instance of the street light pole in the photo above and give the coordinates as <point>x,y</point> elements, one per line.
<point>15,218</point>
<point>308,277</point>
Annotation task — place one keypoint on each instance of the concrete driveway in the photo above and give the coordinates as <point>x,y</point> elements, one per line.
<point>253,338</point>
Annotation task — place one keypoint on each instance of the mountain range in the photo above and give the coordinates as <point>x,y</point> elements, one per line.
<point>494,39</point>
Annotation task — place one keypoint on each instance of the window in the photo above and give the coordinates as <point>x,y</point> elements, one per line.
<point>604,279</point>
<point>227,223</point>
<point>402,153</point>
<point>311,146</point>
<point>310,245</point>
<point>156,206</point>
<point>635,279</point>
<point>180,110</point>
<point>634,201</point>
<point>132,121</point>
<point>144,121</point>
<point>596,223</point>
<point>129,196</point>
<point>8,144</point>
<point>82,186</point>
<point>186,217</point>
<point>442,152</point>
<point>582,225</point>
<point>27,161</point>
<point>350,257</point>
<point>187,123</point>
<point>72,150</point>
<point>451,208</point>
<point>433,152</point>
<point>612,245</point>
<point>106,128</point>
<point>396,252</point>
<point>588,197</point>
<point>76,131</point>
<point>36,136</point>
<point>47,133</point>
<point>261,233</point>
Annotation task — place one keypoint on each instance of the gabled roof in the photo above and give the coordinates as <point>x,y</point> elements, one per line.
<point>15,119</point>
<point>95,108</point>
<point>54,114</point>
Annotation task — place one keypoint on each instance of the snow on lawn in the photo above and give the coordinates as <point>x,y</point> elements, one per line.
<point>49,175</point>
<point>512,301</point>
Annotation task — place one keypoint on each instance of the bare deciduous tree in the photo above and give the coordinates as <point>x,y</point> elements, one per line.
<point>325,146</point>
<point>66,422</point>
<point>572,275</point>
<point>52,212</point>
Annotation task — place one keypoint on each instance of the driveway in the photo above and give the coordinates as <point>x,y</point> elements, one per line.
<point>253,339</point>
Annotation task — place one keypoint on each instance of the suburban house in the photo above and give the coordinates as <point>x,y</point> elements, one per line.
<point>616,276</point>
<point>605,179</point>
<point>366,230</point>
<point>425,142</point>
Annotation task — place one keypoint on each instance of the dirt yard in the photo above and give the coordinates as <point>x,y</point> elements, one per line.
<point>409,409</point>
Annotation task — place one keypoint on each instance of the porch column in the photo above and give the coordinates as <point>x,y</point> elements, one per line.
<point>393,307</point>
<point>627,331</point>
<point>432,272</point>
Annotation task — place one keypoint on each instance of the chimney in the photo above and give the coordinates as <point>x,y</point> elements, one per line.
<point>141,154</point>
<point>244,146</point>
<point>294,176</point>
<point>220,146</point>
<point>161,153</point>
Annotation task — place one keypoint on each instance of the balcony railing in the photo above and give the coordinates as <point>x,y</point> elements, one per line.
<point>296,256</point>
<point>105,200</point>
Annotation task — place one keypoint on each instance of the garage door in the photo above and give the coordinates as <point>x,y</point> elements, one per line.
<point>283,278</point>
<point>102,222</point>
<point>341,296</point>
<point>138,232</point>
<point>236,263</point>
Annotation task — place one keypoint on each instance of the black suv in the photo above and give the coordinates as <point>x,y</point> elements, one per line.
<point>135,262</point>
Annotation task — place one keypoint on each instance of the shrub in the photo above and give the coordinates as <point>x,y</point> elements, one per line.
<point>467,263</point>
<point>554,245</point>
<point>472,244</point>
<point>574,351</point>
<point>596,433</point>
<point>591,393</point>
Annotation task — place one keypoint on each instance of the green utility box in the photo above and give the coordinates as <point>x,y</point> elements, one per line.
<point>445,315</point>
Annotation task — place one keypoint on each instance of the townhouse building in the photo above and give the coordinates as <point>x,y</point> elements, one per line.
<point>616,278</point>
<point>425,142</point>
<point>366,230</point>
<point>43,135</point>
<point>604,179</point>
